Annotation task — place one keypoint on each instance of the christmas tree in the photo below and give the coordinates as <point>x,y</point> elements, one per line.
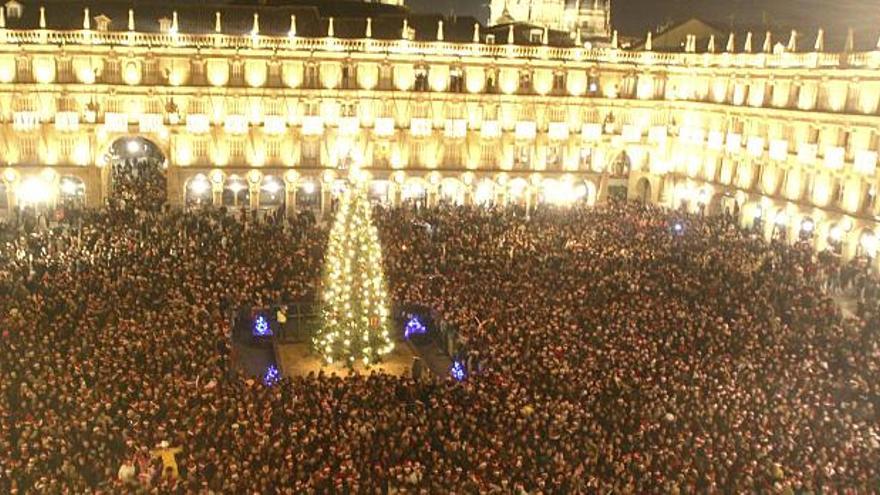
<point>354,295</point>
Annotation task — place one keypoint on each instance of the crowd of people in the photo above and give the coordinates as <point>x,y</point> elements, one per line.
<point>618,354</point>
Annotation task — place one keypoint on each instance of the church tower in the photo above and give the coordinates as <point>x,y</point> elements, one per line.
<point>592,17</point>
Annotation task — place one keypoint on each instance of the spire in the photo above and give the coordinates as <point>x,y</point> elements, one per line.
<point>545,39</point>
<point>792,42</point>
<point>510,35</point>
<point>218,23</point>
<point>748,47</point>
<point>87,19</point>
<point>2,18</point>
<point>614,40</point>
<point>131,19</point>
<point>440,30</point>
<point>331,29</point>
<point>174,25</point>
<point>369,30</point>
<point>405,31</point>
<point>42,17</point>
<point>578,40</point>
<point>649,42</point>
<point>255,30</point>
<point>711,47</point>
<point>768,43</point>
<point>687,43</point>
<point>849,47</point>
<point>476,32</point>
<point>292,32</point>
<point>730,47</point>
<point>820,41</point>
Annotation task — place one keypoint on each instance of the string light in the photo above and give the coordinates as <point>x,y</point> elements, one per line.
<point>354,294</point>
<point>414,327</point>
<point>458,371</point>
<point>271,376</point>
<point>262,327</point>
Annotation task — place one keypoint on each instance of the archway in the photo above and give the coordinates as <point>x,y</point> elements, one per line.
<point>618,177</point>
<point>378,192</point>
<point>308,195</point>
<point>137,172</point>
<point>236,192</point>
<point>484,194</point>
<point>643,190</point>
<point>272,192</point>
<point>517,191</point>
<point>452,191</point>
<point>197,192</point>
<point>415,193</point>
<point>71,192</point>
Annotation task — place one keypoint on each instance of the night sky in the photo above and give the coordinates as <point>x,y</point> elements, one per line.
<point>635,17</point>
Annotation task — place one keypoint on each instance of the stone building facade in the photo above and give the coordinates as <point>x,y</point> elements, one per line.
<point>787,141</point>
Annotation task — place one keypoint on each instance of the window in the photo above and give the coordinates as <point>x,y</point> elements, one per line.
<point>14,9</point>
<point>27,148</point>
<point>348,110</point>
<point>554,157</point>
<point>200,150</point>
<point>559,82</point>
<point>452,155</point>
<point>525,81</point>
<point>236,73</point>
<point>535,36</point>
<point>456,80</point>
<point>416,153</point>
<point>312,109</point>
<point>381,154</point>
<point>273,149</point>
<point>421,79</point>
<point>236,149</point>
<point>311,153</point>
<point>488,155</point>
<point>311,76</point>
<point>523,157</point>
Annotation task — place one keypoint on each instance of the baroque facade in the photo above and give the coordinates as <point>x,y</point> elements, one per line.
<point>591,17</point>
<point>788,141</point>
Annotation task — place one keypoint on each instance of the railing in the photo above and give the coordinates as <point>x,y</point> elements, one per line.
<point>435,48</point>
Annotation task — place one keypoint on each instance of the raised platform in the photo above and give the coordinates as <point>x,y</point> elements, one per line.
<point>298,359</point>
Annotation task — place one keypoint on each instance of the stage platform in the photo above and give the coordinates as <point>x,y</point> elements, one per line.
<point>298,359</point>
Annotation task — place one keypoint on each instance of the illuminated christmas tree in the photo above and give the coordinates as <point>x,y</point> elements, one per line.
<point>354,295</point>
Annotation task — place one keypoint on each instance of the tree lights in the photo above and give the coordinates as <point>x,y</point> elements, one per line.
<point>354,296</point>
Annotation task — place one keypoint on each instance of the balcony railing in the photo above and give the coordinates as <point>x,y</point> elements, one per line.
<point>434,48</point>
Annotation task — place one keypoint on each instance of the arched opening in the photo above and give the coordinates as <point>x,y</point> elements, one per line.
<point>837,237</point>
<point>517,191</point>
<point>378,192</point>
<point>71,192</point>
<point>137,174</point>
<point>236,192</point>
<point>272,192</point>
<point>868,244</point>
<point>807,230</point>
<point>308,195</point>
<point>618,174</point>
<point>452,191</point>
<point>414,193</point>
<point>781,222</point>
<point>484,195</point>
<point>643,191</point>
<point>197,193</point>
